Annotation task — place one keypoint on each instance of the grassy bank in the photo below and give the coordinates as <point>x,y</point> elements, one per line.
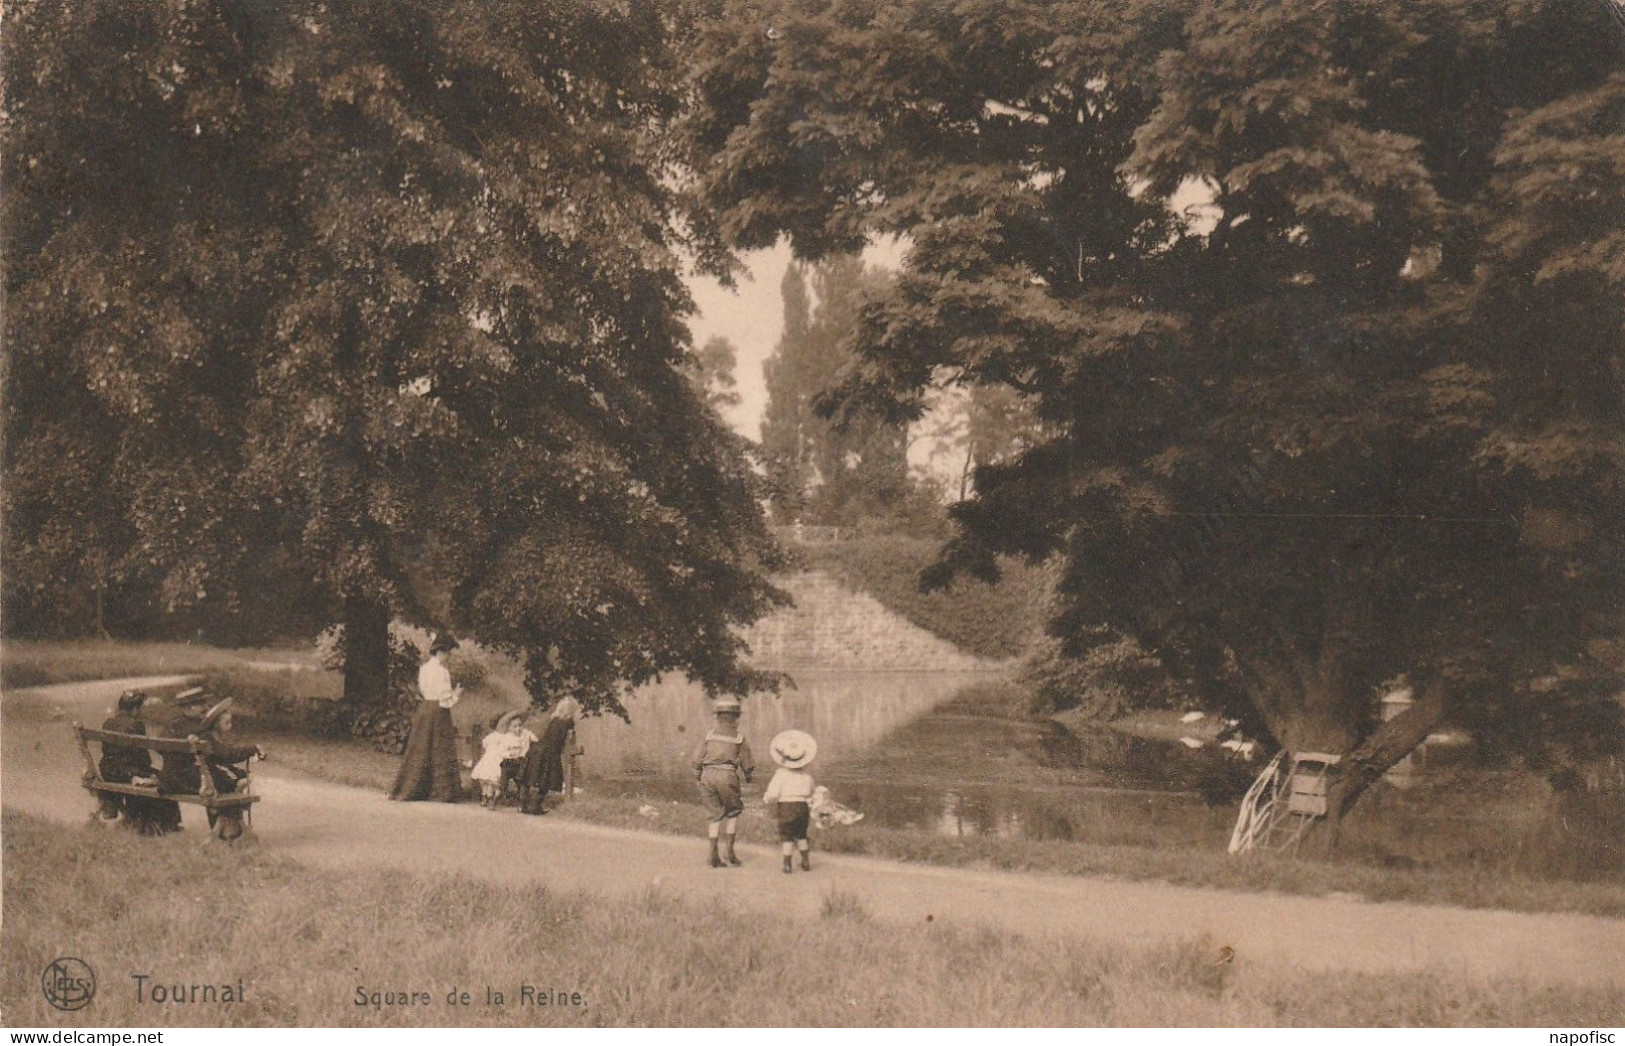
<point>628,805</point>
<point>992,621</point>
<point>1467,887</point>
<point>41,662</point>
<point>301,942</point>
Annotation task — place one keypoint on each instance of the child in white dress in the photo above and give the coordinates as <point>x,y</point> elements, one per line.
<point>503,754</point>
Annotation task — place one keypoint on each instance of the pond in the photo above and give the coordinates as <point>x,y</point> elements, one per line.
<point>901,747</point>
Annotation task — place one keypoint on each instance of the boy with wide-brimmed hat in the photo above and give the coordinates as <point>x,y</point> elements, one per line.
<point>723,765</point>
<point>181,774</point>
<point>227,759</point>
<point>790,792</point>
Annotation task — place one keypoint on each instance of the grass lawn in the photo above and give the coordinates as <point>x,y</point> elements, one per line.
<point>41,662</point>
<point>302,942</point>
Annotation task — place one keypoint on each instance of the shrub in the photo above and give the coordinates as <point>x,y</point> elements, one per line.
<point>1109,679</point>
<point>1581,838</point>
<point>304,700</point>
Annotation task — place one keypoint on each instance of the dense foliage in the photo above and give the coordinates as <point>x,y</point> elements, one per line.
<point>1318,306</point>
<point>356,312</point>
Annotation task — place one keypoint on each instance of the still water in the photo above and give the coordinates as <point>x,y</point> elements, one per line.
<point>901,748</point>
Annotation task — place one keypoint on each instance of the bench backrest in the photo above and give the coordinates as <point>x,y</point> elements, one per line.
<point>166,746</point>
<point>161,745</point>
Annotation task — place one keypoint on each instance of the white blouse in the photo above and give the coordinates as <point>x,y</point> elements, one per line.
<point>434,683</point>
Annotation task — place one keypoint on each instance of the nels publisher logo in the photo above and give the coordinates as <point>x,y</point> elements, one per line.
<point>69,984</point>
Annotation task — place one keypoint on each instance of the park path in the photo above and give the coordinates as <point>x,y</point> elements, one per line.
<point>332,826</point>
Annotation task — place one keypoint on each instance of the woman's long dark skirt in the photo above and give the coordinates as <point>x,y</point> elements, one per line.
<point>429,770</point>
<point>544,766</point>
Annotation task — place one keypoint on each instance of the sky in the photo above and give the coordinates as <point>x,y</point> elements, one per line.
<point>751,315</point>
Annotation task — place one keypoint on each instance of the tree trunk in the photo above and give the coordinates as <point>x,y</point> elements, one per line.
<point>1376,755</point>
<point>101,612</point>
<point>366,651</point>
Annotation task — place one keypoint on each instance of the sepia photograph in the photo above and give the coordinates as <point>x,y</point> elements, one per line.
<point>812,513</point>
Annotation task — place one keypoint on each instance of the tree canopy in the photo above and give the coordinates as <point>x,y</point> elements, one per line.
<point>1317,306</point>
<point>369,310</point>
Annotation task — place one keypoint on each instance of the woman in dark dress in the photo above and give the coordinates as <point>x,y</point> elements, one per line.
<point>429,769</point>
<point>544,763</point>
<point>125,764</point>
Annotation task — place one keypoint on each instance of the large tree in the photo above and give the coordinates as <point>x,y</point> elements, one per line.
<point>1318,305</point>
<point>374,310</point>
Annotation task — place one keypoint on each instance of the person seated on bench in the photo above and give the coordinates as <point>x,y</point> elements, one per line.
<point>503,758</point>
<point>224,758</point>
<point>183,717</point>
<point>127,764</point>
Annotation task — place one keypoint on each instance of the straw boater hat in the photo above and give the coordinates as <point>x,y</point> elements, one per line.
<point>191,697</point>
<point>213,715</point>
<point>509,718</point>
<point>793,749</point>
<point>726,705</point>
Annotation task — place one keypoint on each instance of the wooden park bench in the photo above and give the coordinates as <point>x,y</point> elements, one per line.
<point>207,796</point>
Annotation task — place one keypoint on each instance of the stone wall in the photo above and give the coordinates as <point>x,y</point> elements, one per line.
<point>830,626</point>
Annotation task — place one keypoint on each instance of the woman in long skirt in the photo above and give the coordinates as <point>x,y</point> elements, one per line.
<point>544,763</point>
<point>429,770</point>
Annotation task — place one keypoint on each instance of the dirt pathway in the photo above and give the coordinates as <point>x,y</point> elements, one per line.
<point>332,826</point>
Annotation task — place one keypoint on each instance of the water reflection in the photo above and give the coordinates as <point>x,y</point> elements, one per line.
<point>846,711</point>
<point>903,749</point>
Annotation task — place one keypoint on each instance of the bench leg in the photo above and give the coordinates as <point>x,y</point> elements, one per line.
<point>228,828</point>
